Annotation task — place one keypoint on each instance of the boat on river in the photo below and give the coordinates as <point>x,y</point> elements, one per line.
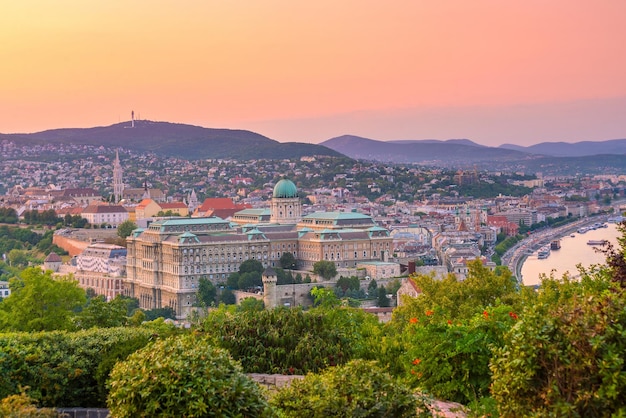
<point>555,244</point>
<point>597,242</point>
<point>544,252</point>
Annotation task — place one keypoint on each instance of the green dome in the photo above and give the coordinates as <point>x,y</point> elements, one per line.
<point>285,188</point>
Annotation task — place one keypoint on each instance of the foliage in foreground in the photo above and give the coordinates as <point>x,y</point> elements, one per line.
<point>22,406</point>
<point>357,389</point>
<point>183,376</point>
<point>442,341</point>
<point>566,358</point>
<point>65,368</point>
<point>290,341</point>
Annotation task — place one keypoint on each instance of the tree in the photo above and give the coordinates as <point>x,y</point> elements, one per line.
<point>325,269</point>
<point>18,258</point>
<point>383,300</point>
<point>348,283</point>
<point>324,298</point>
<point>102,314</point>
<point>371,288</point>
<point>250,266</point>
<point>251,305</point>
<point>288,261</point>
<point>40,303</point>
<point>228,297</point>
<point>126,228</point>
<point>206,292</point>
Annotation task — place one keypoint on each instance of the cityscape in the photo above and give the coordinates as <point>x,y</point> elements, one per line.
<point>312,210</point>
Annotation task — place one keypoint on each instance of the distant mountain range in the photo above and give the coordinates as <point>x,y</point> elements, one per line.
<point>450,152</point>
<point>459,150</point>
<point>176,140</point>
<point>195,142</point>
<point>576,149</point>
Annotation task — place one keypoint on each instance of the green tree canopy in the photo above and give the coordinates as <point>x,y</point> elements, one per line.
<point>102,314</point>
<point>40,303</point>
<point>288,261</point>
<point>206,292</point>
<point>325,269</point>
<point>126,228</point>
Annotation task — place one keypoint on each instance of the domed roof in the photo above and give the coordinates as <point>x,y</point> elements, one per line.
<point>285,188</point>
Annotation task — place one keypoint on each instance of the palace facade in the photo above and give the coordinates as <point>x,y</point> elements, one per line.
<point>167,259</point>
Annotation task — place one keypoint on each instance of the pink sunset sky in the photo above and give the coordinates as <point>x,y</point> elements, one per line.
<point>492,71</point>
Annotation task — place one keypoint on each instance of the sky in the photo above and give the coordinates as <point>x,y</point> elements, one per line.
<point>493,71</point>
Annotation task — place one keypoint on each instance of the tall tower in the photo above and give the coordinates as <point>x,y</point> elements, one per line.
<point>269,288</point>
<point>132,118</point>
<point>118,184</point>
<point>193,203</point>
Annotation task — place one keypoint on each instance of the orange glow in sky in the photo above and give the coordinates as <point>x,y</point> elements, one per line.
<point>489,70</point>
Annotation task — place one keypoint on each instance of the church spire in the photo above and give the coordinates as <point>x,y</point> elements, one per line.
<point>118,184</point>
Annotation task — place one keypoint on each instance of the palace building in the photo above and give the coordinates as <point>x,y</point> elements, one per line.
<point>167,259</point>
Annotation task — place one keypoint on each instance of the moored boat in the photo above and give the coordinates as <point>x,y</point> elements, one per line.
<point>543,252</point>
<point>597,242</point>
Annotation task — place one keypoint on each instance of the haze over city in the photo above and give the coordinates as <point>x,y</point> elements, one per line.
<point>491,71</point>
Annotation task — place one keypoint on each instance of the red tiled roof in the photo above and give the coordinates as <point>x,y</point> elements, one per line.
<point>173,205</point>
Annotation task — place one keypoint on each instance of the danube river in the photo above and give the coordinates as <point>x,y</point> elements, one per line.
<point>574,250</point>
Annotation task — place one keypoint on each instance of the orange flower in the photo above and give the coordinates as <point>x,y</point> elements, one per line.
<point>429,313</point>
<point>413,320</point>
<point>513,315</point>
<point>412,371</point>
<point>449,322</point>
<point>417,361</point>
<point>486,314</point>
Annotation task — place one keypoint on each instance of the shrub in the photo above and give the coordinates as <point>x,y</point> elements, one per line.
<point>289,341</point>
<point>22,406</point>
<point>451,360</point>
<point>60,368</point>
<point>358,389</point>
<point>565,359</point>
<point>183,376</point>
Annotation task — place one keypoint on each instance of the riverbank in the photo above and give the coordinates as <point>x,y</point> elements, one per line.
<point>514,258</point>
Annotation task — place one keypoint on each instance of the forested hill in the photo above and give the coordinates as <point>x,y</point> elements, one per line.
<point>175,140</point>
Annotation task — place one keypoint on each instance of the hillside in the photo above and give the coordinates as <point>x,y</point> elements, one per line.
<point>453,152</point>
<point>175,140</point>
<point>576,149</point>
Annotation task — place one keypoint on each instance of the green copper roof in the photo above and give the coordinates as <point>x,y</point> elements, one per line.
<point>285,188</point>
<point>337,215</point>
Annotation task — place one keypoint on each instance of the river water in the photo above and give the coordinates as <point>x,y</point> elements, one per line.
<point>574,250</point>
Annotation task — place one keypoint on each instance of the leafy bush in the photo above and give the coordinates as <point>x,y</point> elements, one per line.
<point>22,406</point>
<point>183,376</point>
<point>565,359</point>
<point>358,389</point>
<point>61,367</point>
<point>450,360</point>
<point>287,341</point>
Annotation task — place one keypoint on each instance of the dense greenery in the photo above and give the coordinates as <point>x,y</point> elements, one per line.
<point>183,376</point>
<point>60,368</point>
<point>40,303</point>
<point>325,269</point>
<point>566,358</point>
<point>126,228</point>
<point>483,341</point>
<point>289,341</point>
<point>248,276</point>
<point>358,389</point>
<point>23,406</point>
<point>8,215</point>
